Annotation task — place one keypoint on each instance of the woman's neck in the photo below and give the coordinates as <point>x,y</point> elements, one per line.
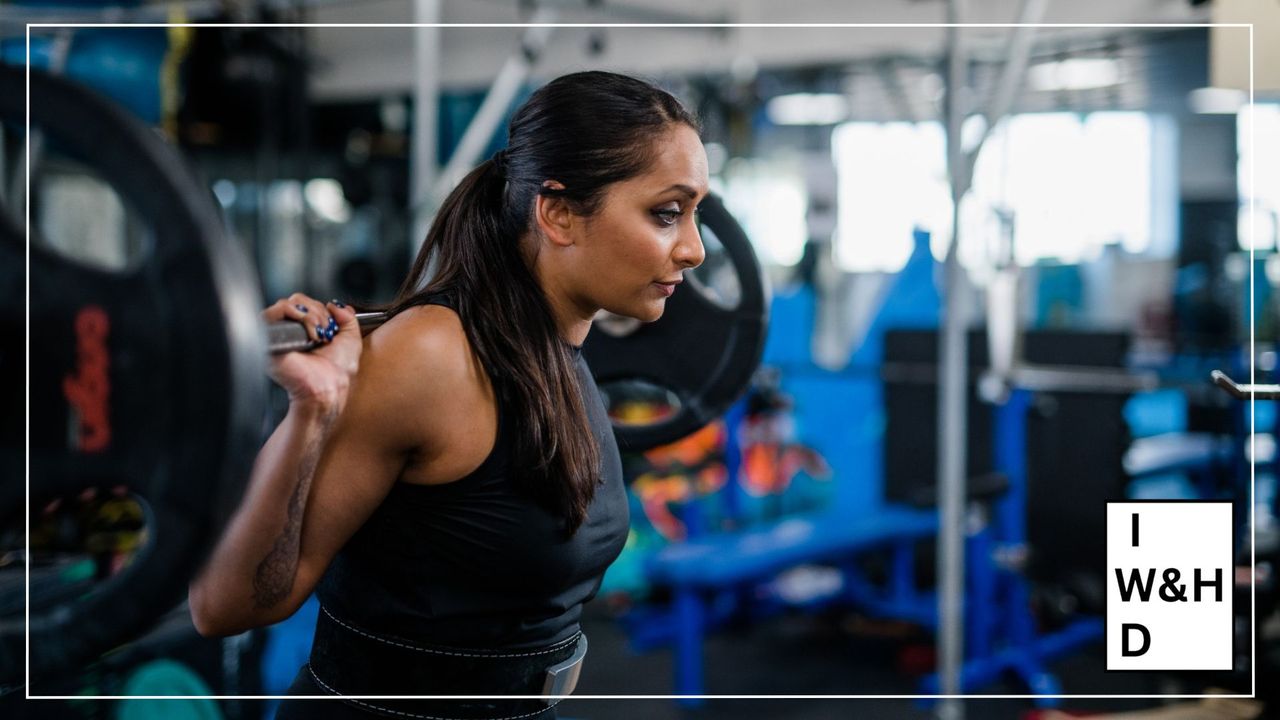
<point>572,322</point>
<point>573,319</point>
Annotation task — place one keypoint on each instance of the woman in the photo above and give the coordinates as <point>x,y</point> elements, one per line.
<point>449,486</point>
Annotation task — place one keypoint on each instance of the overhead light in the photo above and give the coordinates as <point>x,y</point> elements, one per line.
<point>1216,101</point>
<point>1074,74</point>
<point>325,197</point>
<point>808,109</point>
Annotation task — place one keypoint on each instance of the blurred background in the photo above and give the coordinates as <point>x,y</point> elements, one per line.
<point>1128,193</point>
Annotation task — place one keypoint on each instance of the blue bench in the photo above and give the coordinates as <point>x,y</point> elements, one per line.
<point>697,568</point>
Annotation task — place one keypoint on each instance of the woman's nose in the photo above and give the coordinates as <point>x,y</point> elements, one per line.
<point>689,251</point>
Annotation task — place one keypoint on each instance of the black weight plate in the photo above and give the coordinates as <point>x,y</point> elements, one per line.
<point>701,351</point>
<point>152,377</point>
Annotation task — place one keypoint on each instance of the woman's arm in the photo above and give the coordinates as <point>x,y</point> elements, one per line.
<point>324,470</point>
<point>250,576</point>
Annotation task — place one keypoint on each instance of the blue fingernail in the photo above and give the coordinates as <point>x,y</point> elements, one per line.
<point>338,303</point>
<point>328,334</point>
<point>332,323</point>
<point>301,308</point>
<point>320,330</point>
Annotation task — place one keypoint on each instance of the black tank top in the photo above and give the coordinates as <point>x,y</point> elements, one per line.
<point>477,562</point>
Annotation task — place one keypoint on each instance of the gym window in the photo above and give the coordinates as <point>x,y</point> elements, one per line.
<point>1040,169</point>
<point>768,198</point>
<point>892,177</point>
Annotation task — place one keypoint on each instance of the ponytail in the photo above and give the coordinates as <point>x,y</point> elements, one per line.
<point>512,331</point>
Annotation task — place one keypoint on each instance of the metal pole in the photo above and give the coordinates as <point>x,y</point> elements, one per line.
<point>952,394</point>
<point>1016,55</point>
<point>1004,335</point>
<point>426,103</point>
<point>954,346</point>
<point>506,86</point>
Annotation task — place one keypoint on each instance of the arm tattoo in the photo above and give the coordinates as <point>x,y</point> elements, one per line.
<point>274,579</point>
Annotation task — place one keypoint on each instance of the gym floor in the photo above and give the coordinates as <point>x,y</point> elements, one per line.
<point>803,655</point>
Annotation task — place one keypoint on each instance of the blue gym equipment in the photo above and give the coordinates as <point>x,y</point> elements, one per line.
<point>717,575</point>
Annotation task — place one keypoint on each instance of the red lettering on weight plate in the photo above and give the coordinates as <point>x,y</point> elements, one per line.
<point>89,390</point>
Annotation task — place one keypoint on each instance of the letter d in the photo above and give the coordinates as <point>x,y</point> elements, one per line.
<point>1124,640</point>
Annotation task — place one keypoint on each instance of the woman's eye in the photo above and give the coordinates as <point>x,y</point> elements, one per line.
<point>668,216</point>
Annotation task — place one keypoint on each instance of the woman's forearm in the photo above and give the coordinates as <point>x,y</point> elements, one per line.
<point>249,578</point>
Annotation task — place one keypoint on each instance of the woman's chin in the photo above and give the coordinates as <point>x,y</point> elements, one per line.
<point>647,310</point>
<point>652,311</point>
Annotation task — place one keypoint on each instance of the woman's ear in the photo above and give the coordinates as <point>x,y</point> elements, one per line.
<point>554,217</point>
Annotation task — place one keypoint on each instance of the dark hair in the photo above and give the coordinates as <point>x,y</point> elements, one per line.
<point>587,131</point>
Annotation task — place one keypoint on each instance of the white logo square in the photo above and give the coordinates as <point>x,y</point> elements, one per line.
<point>1169,585</point>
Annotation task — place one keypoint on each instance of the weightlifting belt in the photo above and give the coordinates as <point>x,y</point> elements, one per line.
<point>347,660</point>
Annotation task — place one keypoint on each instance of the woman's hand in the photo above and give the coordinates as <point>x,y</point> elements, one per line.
<point>322,377</point>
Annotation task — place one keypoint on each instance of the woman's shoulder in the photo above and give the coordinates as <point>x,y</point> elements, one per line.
<point>425,344</point>
<point>430,390</point>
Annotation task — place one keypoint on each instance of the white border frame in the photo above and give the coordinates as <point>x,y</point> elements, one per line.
<point>1253,666</point>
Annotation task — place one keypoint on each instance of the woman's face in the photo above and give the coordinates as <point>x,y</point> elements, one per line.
<point>635,248</point>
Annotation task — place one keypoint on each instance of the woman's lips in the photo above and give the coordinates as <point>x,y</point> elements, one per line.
<point>667,288</point>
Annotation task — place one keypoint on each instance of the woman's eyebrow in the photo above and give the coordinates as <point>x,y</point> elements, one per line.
<point>686,189</point>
